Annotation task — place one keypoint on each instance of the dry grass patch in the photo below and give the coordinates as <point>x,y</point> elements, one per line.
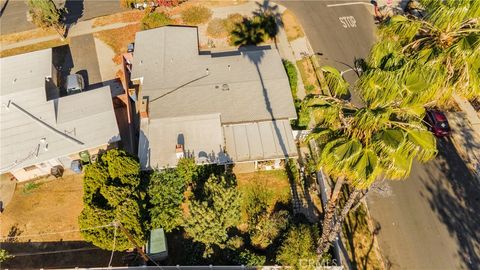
<point>118,39</point>
<point>44,207</point>
<point>292,26</point>
<point>34,47</point>
<point>360,241</point>
<point>275,182</point>
<point>123,17</point>
<point>26,35</point>
<point>309,77</point>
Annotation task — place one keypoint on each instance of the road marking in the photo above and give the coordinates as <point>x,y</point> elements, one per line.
<point>349,4</point>
<point>348,21</point>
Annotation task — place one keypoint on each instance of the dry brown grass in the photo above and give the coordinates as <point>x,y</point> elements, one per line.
<point>118,39</point>
<point>33,47</point>
<point>292,26</point>
<point>52,207</point>
<point>360,241</point>
<point>123,17</point>
<point>275,182</point>
<point>309,77</point>
<point>26,35</point>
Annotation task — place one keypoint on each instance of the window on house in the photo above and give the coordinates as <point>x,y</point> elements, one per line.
<point>30,168</point>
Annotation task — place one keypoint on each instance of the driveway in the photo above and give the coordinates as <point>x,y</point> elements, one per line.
<point>85,60</point>
<point>14,17</point>
<point>431,220</point>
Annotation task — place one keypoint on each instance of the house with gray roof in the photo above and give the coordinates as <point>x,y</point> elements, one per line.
<point>38,132</point>
<point>217,107</point>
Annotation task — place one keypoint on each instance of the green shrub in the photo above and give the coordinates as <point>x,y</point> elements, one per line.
<point>298,246</point>
<point>4,255</point>
<point>196,15</point>
<point>292,77</point>
<point>216,28</point>
<point>249,258</point>
<point>154,19</point>
<point>187,169</point>
<point>29,187</point>
<point>268,229</point>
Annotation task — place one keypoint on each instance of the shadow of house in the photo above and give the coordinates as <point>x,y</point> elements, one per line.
<point>59,254</point>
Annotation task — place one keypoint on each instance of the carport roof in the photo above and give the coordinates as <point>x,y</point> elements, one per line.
<point>259,140</point>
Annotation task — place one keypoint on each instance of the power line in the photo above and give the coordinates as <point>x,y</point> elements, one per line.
<point>52,233</point>
<point>113,246</point>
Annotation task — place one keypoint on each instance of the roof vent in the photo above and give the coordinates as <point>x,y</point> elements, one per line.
<point>207,71</point>
<point>225,87</point>
<point>229,67</point>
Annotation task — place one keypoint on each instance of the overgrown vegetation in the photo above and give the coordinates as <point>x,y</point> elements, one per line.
<point>4,255</point>
<point>154,20</point>
<point>221,28</point>
<point>113,192</point>
<point>195,15</point>
<point>299,247</point>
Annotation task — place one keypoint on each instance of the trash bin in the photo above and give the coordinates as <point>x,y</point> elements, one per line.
<point>57,171</point>
<point>76,166</point>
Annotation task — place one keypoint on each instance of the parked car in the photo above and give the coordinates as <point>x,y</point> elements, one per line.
<point>437,123</point>
<point>74,84</point>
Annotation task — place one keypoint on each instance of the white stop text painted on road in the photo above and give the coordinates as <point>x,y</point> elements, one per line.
<point>348,21</point>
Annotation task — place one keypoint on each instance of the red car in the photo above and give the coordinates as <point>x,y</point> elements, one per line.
<point>437,123</point>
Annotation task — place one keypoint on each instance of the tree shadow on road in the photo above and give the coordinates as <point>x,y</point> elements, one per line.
<point>457,202</point>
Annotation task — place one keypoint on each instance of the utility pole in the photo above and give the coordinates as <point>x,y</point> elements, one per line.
<point>130,238</point>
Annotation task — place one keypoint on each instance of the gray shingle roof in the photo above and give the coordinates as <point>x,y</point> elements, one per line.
<point>87,117</point>
<point>167,58</point>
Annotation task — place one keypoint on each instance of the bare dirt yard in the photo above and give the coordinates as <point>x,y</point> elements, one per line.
<point>31,222</point>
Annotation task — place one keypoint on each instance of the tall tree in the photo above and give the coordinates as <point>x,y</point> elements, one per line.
<point>166,195</point>
<point>298,248</point>
<point>214,213</point>
<point>46,15</point>
<point>358,145</point>
<point>112,193</point>
<point>424,60</point>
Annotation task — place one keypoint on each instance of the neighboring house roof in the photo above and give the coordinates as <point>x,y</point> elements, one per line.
<point>201,136</point>
<point>185,87</point>
<point>34,130</point>
<point>167,58</point>
<point>259,140</point>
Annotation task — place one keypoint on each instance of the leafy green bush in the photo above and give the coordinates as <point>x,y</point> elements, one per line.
<point>196,15</point>
<point>155,19</point>
<point>292,77</point>
<point>187,169</point>
<point>216,28</point>
<point>4,255</point>
<point>299,245</point>
<point>166,194</point>
<point>249,258</point>
<point>268,229</point>
<point>255,202</point>
<point>291,169</point>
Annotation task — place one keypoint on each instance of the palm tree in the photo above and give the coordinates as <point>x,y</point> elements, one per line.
<point>429,59</point>
<point>359,145</point>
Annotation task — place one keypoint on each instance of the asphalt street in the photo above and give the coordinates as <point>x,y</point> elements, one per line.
<point>14,12</point>
<point>431,220</point>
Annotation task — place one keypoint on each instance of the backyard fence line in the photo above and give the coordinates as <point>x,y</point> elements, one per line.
<point>53,233</point>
